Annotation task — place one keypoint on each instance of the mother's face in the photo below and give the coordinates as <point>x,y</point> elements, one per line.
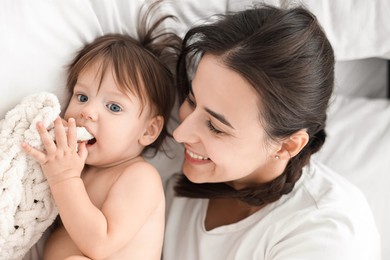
<point>221,131</point>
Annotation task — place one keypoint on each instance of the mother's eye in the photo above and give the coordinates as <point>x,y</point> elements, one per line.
<point>114,108</point>
<point>82,98</point>
<point>212,128</point>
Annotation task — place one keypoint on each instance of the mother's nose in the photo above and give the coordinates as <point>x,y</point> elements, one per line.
<point>187,131</point>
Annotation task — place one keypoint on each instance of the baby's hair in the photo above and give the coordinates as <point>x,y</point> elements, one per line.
<point>142,66</point>
<point>285,56</point>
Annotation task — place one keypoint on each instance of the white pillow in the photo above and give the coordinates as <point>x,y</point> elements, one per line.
<point>358,147</point>
<point>40,38</point>
<point>357,29</point>
<point>362,78</point>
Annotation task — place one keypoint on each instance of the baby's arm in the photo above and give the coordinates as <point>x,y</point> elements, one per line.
<point>129,205</point>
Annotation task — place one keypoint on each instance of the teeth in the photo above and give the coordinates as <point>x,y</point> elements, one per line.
<point>196,156</point>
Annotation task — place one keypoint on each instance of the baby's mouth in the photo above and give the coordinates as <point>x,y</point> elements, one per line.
<point>91,141</point>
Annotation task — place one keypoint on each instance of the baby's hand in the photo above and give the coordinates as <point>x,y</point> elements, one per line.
<point>61,159</point>
<point>81,133</point>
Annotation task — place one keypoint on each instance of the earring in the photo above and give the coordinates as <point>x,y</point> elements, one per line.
<point>277,157</point>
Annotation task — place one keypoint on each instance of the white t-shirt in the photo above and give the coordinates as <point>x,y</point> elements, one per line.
<point>324,217</point>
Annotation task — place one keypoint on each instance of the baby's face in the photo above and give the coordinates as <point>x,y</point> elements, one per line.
<point>113,117</point>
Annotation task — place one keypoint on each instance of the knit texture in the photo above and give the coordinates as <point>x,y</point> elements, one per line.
<point>27,208</point>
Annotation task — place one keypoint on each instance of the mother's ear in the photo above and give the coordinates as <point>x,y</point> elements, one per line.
<point>293,145</point>
<point>152,130</point>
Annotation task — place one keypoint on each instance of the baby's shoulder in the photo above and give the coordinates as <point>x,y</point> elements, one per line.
<point>140,165</point>
<point>140,171</point>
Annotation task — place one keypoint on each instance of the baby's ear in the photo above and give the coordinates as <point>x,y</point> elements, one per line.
<point>152,130</point>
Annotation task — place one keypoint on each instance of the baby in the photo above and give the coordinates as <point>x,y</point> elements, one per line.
<point>110,200</point>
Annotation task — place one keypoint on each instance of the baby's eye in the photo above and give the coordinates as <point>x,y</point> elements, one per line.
<point>82,98</point>
<point>114,107</point>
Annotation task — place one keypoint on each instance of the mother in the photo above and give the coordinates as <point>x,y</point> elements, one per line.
<point>255,87</point>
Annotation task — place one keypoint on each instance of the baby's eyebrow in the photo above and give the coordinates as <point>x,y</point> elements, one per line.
<point>219,117</point>
<point>81,85</point>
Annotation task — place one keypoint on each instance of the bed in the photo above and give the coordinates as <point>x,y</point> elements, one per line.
<point>39,38</point>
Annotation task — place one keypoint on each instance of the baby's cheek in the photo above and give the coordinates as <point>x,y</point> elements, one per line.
<point>71,110</point>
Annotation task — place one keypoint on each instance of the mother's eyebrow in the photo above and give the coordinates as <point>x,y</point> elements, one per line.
<point>219,117</point>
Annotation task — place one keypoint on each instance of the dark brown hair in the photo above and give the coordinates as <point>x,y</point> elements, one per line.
<point>143,66</point>
<point>286,57</point>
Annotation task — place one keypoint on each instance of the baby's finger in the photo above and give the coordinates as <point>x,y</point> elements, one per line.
<point>72,134</point>
<point>36,154</point>
<point>47,141</point>
<point>64,122</point>
<point>60,135</point>
<point>83,152</point>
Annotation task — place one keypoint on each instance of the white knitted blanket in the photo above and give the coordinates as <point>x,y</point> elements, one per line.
<point>26,206</point>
